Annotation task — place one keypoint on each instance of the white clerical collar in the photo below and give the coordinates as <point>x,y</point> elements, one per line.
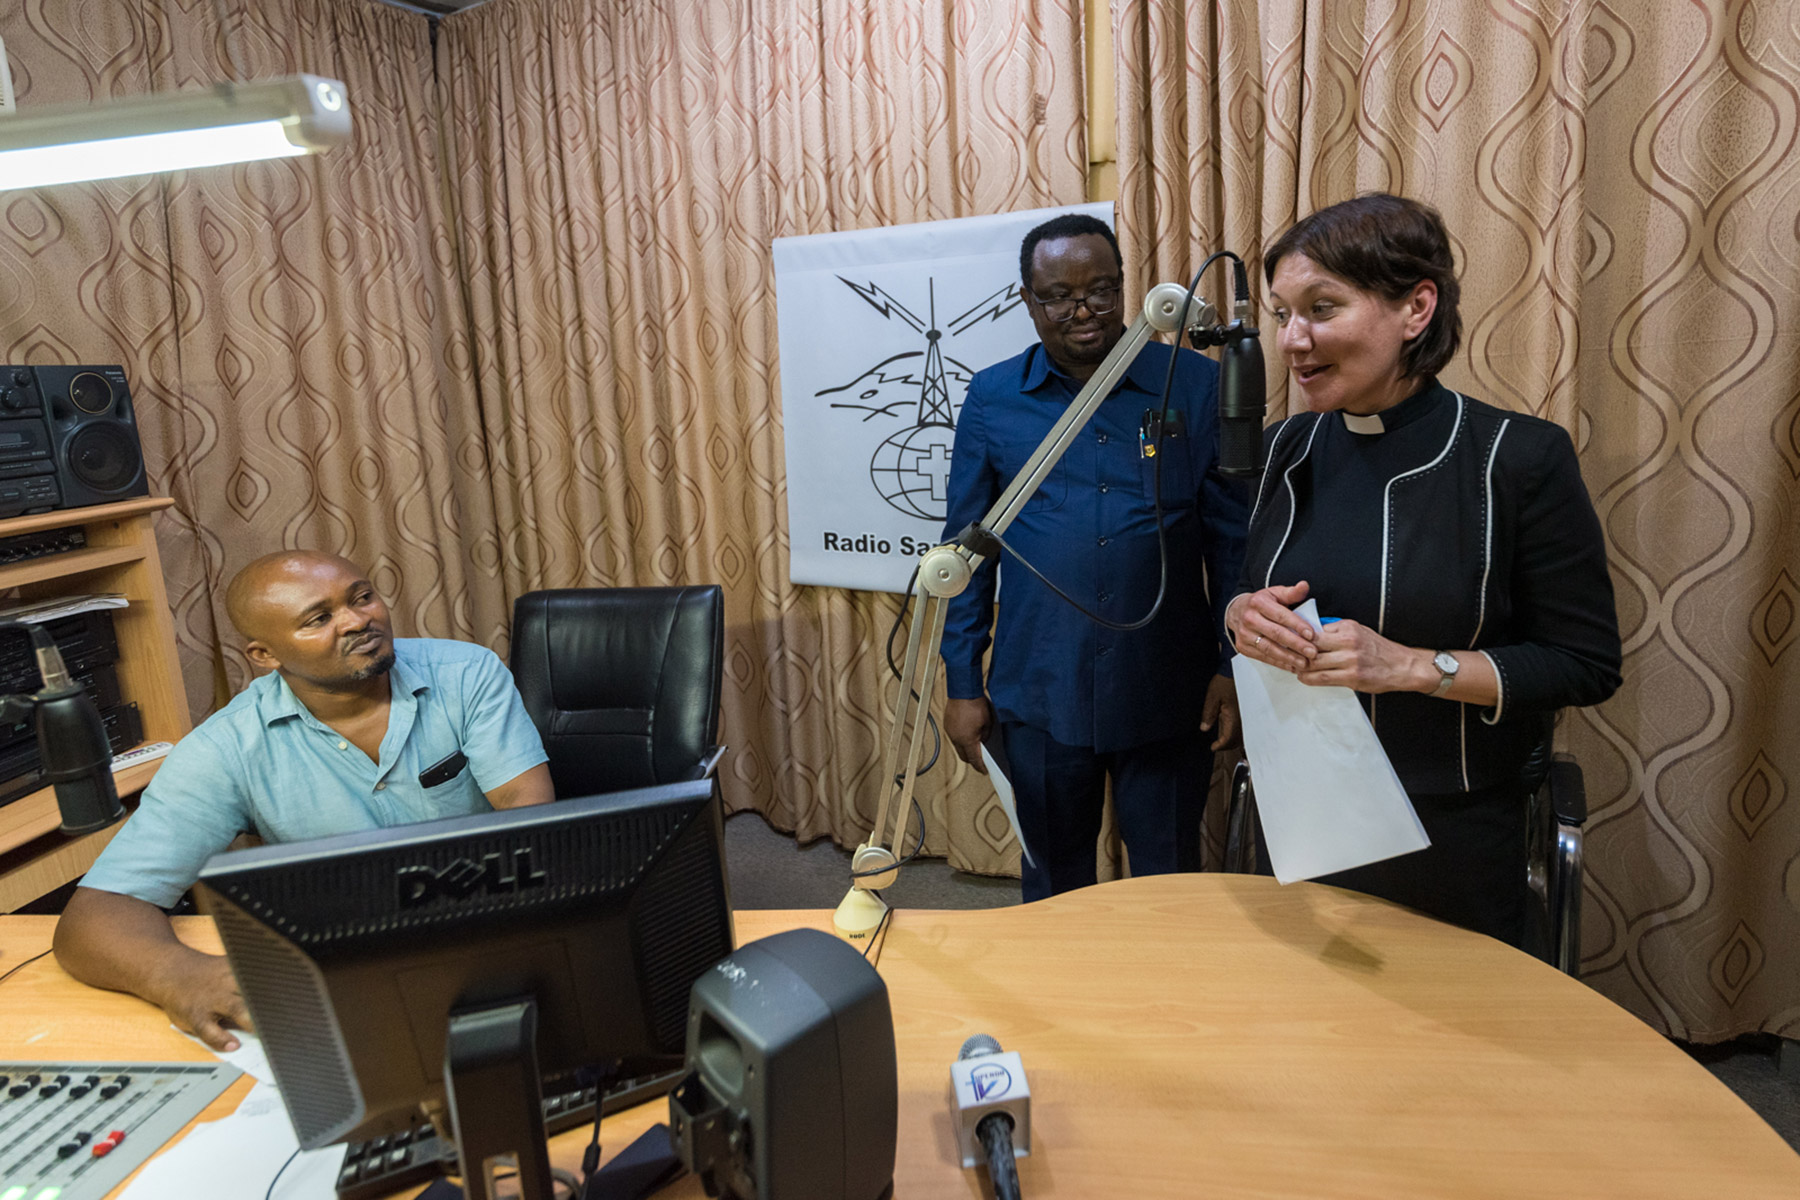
<point>1368,424</point>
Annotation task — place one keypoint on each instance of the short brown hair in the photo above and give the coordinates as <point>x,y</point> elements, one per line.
<point>1387,245</point>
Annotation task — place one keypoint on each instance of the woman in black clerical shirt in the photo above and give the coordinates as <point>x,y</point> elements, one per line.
<point>1453,541</point>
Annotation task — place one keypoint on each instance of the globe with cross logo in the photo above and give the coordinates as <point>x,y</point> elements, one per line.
<point>911,470</point>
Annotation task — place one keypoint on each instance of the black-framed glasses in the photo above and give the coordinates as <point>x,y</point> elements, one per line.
<point>1100,301</point>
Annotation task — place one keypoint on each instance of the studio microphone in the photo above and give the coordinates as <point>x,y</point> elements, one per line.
<point>77,758</point>
<point>1242,389</point>
<point>993,1111</point>
<point>72,745</point>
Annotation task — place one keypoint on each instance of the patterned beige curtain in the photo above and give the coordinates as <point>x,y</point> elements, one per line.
<point>573,381</point>
<point>1623,182</point>
<point>292,330</point>
<point>618,173</point>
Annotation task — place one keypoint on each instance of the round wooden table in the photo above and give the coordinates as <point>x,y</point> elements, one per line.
<point>1205,1036</point>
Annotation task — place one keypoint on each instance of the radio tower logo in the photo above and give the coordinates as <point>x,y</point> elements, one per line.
<point>910,469</point>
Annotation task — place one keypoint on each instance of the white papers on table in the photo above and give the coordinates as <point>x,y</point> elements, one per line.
<point>249,1057</point>
<point>1326,793</point>
<point>239,1156</point>
<point>1003,788</point>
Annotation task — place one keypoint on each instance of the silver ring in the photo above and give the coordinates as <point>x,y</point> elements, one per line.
<point>1258,640</point>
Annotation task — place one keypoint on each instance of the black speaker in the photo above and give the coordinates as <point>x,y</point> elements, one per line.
<point>68,439</point>
<point>792,1091</point>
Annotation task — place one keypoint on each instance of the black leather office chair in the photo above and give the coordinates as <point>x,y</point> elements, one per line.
<point>1554,816</point>
<point>622,683</point>
<point>1555,812</point>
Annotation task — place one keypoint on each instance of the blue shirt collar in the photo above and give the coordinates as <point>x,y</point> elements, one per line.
<point>1142,374</point>
<point>278,702</point>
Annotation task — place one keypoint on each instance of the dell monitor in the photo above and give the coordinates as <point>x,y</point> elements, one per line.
<point>450,965</point>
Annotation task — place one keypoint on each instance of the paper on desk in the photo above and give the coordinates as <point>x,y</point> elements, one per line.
<point>239,1156</point>
<point>38,611</point>
<point>1326,793</point>
<point>249,1057</point>
<point>1003,788</point>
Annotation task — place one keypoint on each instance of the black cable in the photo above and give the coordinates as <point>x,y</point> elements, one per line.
<point>280,1172</point>
<point>590,1157</point>
<point>557,1175</point>
<point>917,846</point>
<point>1162,542</point>
<point>22,966</point>
<point>876,936</point>
<point>995,1131</point>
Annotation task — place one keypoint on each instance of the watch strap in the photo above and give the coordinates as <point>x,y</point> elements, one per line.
<point>1447,679</point>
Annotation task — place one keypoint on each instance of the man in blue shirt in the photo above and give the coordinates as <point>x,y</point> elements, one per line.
<point>353,730</point>
<point>1074,700</point>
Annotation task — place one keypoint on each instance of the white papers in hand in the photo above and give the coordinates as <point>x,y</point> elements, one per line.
<point>1003,788</point>
<point>1326,793</point>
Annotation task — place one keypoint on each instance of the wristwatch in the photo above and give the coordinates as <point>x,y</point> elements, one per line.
<point>1446,664</point>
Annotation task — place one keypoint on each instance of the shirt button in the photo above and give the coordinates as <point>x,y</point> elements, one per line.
<point>1104,650</point>
<point>343,745</point>
<point>1105,596</point>
<point>1103,489</point>
<point>1102,439</point>
<point>381,785</point>
<point>1103,541</point>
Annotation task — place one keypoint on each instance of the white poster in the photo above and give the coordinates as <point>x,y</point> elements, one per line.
<point>881,330</point>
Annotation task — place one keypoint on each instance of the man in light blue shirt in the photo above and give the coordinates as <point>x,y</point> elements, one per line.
<point>353,730</point>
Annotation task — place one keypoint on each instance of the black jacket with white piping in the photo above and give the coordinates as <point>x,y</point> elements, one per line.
<point>1454,526</point>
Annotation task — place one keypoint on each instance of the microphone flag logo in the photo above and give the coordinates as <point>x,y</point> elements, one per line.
<point>990,1081</point>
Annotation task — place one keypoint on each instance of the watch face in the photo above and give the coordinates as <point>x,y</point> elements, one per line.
<point>1444,661</point>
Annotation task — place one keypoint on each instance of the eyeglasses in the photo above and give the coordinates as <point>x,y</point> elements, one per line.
<point>1100,301</point>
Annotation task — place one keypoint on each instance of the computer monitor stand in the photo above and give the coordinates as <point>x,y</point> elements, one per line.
<point>496,1097</point>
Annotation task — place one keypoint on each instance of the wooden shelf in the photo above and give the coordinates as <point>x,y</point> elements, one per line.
<point>69,562</point>
<point>32,816</point>
<point>120,556</point>
<point>94,515</point>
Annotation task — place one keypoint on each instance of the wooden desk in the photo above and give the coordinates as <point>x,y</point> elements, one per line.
<point>1208,1035</point>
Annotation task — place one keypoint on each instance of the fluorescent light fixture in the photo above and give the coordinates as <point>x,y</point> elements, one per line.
<point>173,131</point>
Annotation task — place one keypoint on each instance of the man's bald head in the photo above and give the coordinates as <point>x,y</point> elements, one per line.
<point>248,598</point>
<point>314,617</point>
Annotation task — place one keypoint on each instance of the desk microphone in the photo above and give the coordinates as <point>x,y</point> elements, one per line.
<point>993,1111</point>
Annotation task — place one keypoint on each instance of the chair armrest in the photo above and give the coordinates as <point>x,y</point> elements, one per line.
<point>710,763</point>
<point>1568,791</point>
<point>1241,822</point>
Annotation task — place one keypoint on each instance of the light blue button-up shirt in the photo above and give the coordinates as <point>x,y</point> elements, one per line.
<point>263,763</point>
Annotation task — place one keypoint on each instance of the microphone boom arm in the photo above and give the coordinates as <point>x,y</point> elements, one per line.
<point>944,574</point>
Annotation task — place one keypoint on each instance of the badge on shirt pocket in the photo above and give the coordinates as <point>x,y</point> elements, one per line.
<point>1178,485</point>
<point>443,772</point>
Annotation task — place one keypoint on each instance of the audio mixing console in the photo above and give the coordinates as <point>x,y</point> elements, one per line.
<point>73,1131</point>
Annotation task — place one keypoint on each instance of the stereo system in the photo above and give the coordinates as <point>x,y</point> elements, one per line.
<point>68,439</point>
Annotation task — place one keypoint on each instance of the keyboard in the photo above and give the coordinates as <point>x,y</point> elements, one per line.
<point>385,1165</point>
